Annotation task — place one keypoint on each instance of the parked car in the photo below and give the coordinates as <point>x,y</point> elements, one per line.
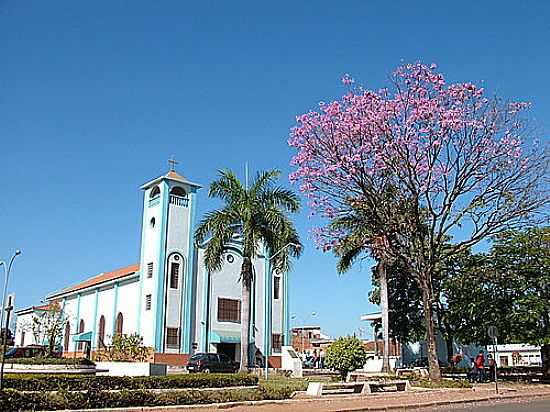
<point>211,362</point>
<point>31,351</point>
<point>422,363</point>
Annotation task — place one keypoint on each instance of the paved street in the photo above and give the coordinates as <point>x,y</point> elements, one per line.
<point>531,406</point>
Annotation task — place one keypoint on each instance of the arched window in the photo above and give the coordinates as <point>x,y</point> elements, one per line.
<point>175,265</point>
<point>154,192</point>
<point>101,333</point>
<point>178,191</point>
<point>80,330</point>
<point>67,336</point>
<point>118,324</point>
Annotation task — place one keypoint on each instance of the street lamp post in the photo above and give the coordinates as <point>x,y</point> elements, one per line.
<point>7,270</point>
<point>267,315</point>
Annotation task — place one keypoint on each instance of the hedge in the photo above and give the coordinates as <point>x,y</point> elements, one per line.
<point>50,361</point>
<point>503,369</point>
<point>16,401</point>
<point>39,382</point>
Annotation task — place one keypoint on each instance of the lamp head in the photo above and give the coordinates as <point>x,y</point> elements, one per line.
<point>296,246</point>
<point>17,252</point>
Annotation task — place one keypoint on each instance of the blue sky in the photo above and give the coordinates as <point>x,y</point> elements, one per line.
<point>95,97</point>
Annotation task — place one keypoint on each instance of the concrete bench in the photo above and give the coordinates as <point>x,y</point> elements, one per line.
<point>361,387</point>
<point>383,386</point>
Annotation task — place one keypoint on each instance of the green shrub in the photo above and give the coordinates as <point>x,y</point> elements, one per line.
<point>39,382</point>
<point>345,355</point>
<point>125,348</point>
<point>50,361</point>
<point>15,401</point>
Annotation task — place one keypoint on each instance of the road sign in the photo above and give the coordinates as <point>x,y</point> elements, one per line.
<point>492,331</point>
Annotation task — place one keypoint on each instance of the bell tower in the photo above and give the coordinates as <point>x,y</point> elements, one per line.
<point>167,272</point>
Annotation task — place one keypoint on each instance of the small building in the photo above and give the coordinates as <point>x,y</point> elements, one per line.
<point>516,354</point>
<point>307,338</point>
<point>24,335</point>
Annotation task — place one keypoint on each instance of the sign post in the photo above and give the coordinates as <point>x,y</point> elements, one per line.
<point>492,331</point>
<point>9,307</point>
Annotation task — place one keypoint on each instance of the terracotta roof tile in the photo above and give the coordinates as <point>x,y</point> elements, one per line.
<point>101,278</point>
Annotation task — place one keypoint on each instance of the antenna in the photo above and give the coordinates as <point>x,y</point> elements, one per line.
<point>246,175</point>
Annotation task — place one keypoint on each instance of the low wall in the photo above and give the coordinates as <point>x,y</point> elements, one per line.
<point>275,362</point>
<point>172,359</point>
<point>130,369</point>
<point>61,369</point>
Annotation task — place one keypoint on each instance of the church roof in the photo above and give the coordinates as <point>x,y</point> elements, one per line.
<point>171,175</point>
<point>32,309</point>
<point>99,279</point>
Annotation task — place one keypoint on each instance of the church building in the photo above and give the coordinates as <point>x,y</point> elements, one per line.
<point>169,298</point>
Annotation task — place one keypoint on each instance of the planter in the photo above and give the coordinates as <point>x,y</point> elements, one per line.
<point>130,369</point>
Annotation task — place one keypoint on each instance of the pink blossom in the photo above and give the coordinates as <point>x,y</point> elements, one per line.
<point>364,134</point>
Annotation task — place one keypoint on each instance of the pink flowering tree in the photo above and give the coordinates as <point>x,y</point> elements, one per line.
<point>460,165</point>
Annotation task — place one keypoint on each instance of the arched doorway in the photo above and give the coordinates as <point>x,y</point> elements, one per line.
<point>67,336</point>
<point>119,324</point>
<point>101,333</point>
<point>81,330</point>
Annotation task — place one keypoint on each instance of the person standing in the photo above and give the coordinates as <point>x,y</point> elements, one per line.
<point>322,359</point>
<point>492,366</point>
<point>480,366</point>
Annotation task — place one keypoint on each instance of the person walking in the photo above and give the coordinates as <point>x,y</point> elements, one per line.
<point>322,359</point>
<point>315,359</point>
<point>480,366</point>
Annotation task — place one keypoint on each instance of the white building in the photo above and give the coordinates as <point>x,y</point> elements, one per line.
<point>169,298</point>
<point>516,354</point>
<point>519,354</point>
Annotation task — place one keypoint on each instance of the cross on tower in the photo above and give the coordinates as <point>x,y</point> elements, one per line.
<point>172,162</point>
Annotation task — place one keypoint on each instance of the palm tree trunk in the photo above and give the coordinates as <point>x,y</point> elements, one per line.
<point>246,282</point>
<point>433,362</point>
<point>382,278</point>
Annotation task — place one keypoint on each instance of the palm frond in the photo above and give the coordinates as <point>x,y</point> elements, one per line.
<point>227,187</point>
<point>263,181</point>
<point>282,198</point>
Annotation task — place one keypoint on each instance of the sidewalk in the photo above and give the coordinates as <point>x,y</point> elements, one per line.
<point>396,401</point>
<point>384,402</point>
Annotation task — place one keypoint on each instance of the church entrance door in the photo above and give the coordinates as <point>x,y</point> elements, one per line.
<point>229,349</point>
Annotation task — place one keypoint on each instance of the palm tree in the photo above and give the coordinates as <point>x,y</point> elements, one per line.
<point>358,240</point>
<point>258,215</point>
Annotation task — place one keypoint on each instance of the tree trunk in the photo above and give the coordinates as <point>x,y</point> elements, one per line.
<point>433,362</point>
<point>246,282</point>
<point>450,348</point>
<point>382,278</point>
<point>545,352</point>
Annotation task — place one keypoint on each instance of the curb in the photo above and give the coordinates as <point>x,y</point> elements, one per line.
<point>423,405</point>
<point>230,405</point>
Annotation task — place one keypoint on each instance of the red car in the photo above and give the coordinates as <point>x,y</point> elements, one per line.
<point>31,351</point>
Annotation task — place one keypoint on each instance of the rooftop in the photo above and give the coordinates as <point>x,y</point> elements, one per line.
<point>171,175</point>
<point>99,279</point>
<point>32,309</point>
